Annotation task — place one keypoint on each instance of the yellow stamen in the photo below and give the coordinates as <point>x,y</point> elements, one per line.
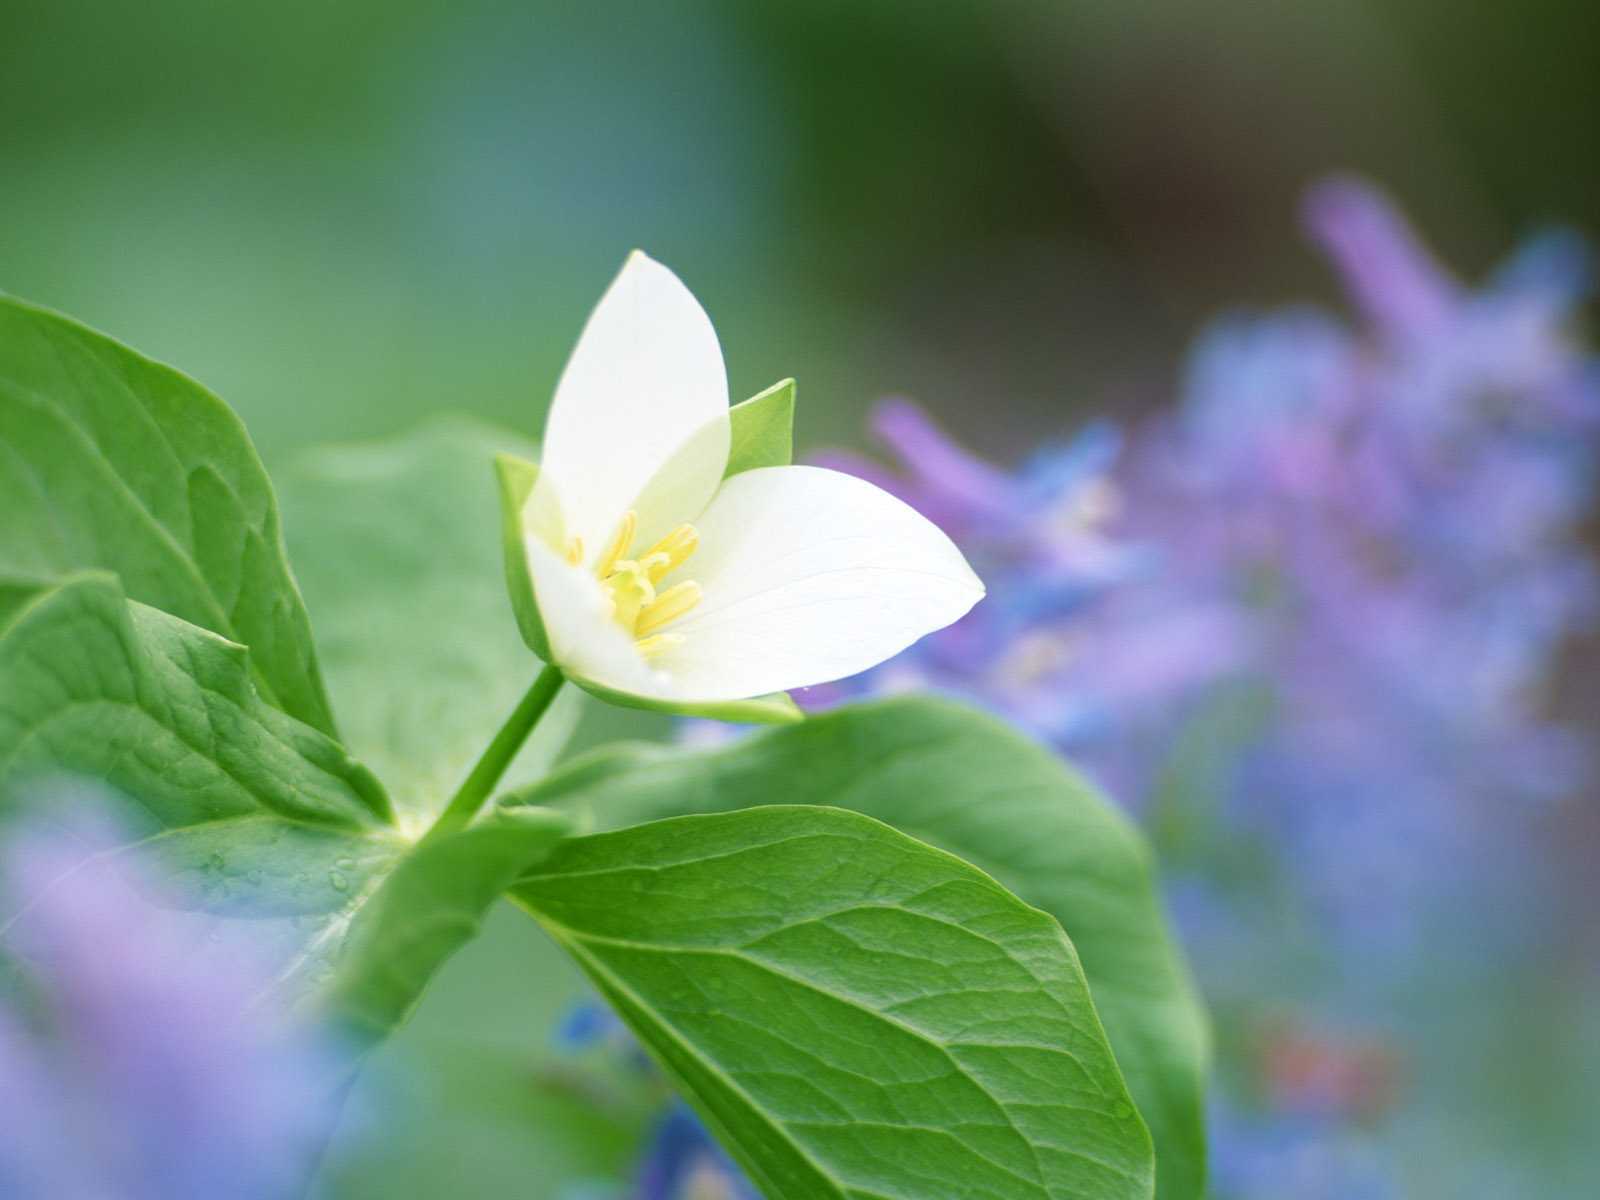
<point>620,542</point>
<point>631,592</point>
<point>677,546</point>
<point>659,644</point>
<point>630,584</point>
<point>656,565</point>
<point>575,550</point>
<point>668,607</point>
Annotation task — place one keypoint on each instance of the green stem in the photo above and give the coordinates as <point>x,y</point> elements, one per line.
<point>472,794</point>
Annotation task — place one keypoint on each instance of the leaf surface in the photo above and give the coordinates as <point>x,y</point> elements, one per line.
<point>858,1015</point>
<point>111,461</point>
<point>258,825</point>
<point>962,781</point>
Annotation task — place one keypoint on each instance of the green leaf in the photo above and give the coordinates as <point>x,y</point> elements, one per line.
<point>261,823</point>
<point>965,782</point>
<point>763,430</point>
<point>110,461</point>
<point>397,546</point>
<point>117,691</point>
<point>245,807</point>
<point>856,1014</point>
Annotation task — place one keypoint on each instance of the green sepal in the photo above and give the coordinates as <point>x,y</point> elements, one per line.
<point>517,477</point>
<point>776,709</point>
<point>762,430</point>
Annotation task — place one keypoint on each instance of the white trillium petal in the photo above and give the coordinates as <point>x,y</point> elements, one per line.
<point>810,575</point>
<point>642,405</point>
<point>584,640</point>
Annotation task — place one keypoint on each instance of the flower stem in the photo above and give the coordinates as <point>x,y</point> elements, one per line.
<point>470,797</point>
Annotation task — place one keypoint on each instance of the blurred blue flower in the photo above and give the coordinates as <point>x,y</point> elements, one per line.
<point>129,1066</point>
<point>1305,1157</point>
<point>682,1161</point>
<point>589,1024</point>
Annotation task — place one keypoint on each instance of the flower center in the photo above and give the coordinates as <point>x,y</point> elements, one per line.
<point>633,585</point>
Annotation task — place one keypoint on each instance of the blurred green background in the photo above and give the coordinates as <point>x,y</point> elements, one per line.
<point>345,216</point>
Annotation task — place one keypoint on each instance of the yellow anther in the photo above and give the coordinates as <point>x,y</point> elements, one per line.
<point>658,644</point>
<point>676,547</point>
<point>631,592</point>
<point>620,542</point>
<point>575,550</point>
<point>668,607</point>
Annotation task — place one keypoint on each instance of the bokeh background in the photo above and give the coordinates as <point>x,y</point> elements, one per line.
<point>346,217</point>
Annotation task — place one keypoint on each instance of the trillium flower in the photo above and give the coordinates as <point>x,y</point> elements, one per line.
<point>664,554</point>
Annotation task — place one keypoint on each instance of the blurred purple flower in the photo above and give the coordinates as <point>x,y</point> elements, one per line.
<point>1072,643</point>
<point>1376,533</point>
<point>129,1067</point>
<point>1399,516</point>
<point>1378,527</point>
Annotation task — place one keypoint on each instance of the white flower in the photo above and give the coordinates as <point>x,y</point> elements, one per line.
<point>660,579</point>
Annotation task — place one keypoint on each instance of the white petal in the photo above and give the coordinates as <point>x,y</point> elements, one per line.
<point>642,405</point>
<point>810,575</point>
<point>584,640</point>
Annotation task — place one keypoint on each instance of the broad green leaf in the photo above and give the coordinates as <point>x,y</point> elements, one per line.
<point>960,780</point>
<point>262,823</point>
<point>397,545</point>
<point>856,1014</point>
<point>111,461</point>
<point>248,809</point>
<point>763,430</point>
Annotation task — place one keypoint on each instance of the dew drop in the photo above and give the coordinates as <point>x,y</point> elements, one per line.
<point>337,881</point>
